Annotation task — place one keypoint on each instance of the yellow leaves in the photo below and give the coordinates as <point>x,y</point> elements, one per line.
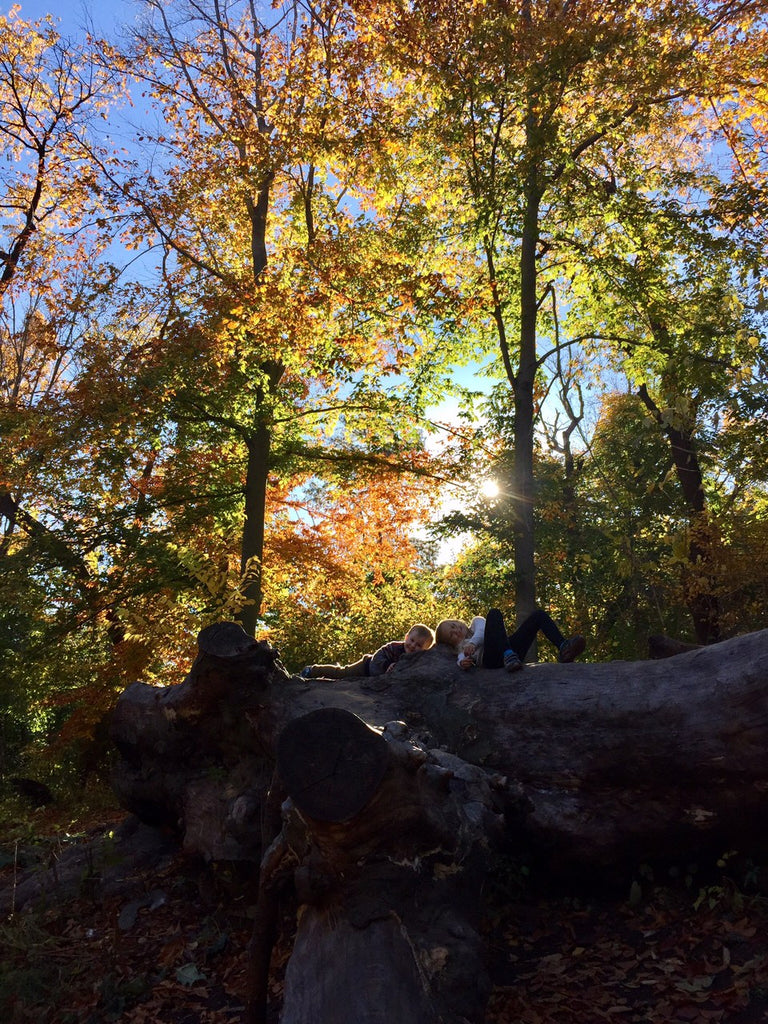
<point>48,92</point>
<point>679,412</point>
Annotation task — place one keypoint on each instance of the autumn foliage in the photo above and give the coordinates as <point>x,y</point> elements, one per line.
<point>247,250</point>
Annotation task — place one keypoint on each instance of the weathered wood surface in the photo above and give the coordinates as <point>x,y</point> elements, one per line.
<point>617,759</point>
<point>398,786</point>
<point>628,759</point>
<point>391,893</point>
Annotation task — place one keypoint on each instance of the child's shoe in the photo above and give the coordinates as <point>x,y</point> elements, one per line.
<point>571,649</point>
<point>512,662</point>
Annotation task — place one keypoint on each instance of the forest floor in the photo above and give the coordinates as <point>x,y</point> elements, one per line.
<point>112,923</point>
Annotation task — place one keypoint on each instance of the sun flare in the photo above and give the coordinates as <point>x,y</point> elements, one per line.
<point>490,489</point>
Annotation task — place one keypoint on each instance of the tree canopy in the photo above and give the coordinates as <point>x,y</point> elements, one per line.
<point>249,249</point>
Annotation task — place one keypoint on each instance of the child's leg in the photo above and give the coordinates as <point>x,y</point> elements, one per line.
<point>358,668</point>
<point>495,642</point>
<point>526,632</point>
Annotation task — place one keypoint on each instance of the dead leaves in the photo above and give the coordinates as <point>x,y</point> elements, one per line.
<point>666,961</point>
<point>171,948</point>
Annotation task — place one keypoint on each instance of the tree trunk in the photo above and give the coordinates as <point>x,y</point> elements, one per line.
<point>522,482</point>
<point>258,447</point>
<point>621,759</point>
<point>252,551</point>
<point>701,582</point>
<point>400,786</point>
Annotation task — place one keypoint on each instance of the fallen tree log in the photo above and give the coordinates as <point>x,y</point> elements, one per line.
<point>622,759</point>
<point>399,786</point>
<point>389,880</point>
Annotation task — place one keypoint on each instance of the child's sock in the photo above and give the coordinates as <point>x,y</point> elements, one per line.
<point>512,661</point>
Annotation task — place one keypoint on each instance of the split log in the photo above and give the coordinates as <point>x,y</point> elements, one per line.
<point>389,880</point>
<point>621,759</point>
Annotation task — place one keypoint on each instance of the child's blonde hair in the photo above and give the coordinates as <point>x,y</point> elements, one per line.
<point>442,633</point>
<point>423,633</point>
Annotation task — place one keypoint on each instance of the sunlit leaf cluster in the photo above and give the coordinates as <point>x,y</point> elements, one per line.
<point>249,249</point>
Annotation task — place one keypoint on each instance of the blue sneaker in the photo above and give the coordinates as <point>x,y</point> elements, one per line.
<point>512,662</point>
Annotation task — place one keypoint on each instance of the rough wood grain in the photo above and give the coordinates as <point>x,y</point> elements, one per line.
<point>399,786</point>
<point>617,759</point>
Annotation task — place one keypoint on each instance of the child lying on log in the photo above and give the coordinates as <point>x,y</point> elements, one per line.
<point>418,638</point>
<point>485,641</point>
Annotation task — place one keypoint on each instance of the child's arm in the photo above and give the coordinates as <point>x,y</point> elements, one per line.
<point>385,657</point>
<point>471,649</point>
<point>476,631</point>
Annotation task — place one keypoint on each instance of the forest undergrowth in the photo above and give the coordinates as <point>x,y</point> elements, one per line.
<point>165,940</point>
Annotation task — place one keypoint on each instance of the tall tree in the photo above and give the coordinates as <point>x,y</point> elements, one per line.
<point>50,93</point>
<point>295,302</point>
<point>51,90</point>
<point>667,290</point>
<point>539,100</point>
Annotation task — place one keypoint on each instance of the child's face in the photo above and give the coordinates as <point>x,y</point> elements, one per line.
<point>415,642</point>
<point>455,632</point>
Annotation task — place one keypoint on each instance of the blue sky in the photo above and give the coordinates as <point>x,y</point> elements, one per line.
<point>105,15</point>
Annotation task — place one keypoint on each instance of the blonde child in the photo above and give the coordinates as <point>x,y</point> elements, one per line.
<point>485,641</point>
<point>418,638</point>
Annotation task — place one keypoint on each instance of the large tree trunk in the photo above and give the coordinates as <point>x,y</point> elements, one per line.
<point>258,446</point>
<point>398,786</point>
<point>258,449</point>
<point>616,758</point>
<point>523,385</point>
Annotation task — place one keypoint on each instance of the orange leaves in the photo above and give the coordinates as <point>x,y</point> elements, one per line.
<point>48,93</point>
<point>357,529</point>
<point>341,562</point>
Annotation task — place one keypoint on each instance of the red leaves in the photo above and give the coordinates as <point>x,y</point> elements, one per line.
<point>181,955</point>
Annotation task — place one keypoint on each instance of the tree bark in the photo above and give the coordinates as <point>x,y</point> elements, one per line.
<point>258,447</point>
<point>523,481</point>
<point>618,760</point>
<point>701,576</point>
<point>400,787</point>
<point>390,883</point>
<point>258,450</point>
